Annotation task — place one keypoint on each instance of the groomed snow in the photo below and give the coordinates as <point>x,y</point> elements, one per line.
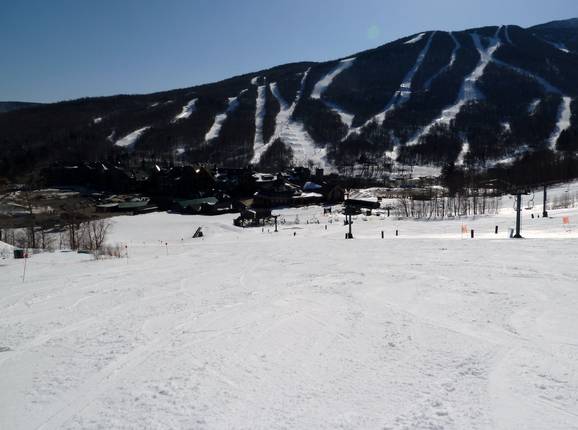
<point>188,109</point>
<point>131,138</point>
<point>244,329</point>
<point>215,129</point>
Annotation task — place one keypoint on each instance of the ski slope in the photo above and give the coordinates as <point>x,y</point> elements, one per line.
<point>130,139</point>
<point>457,47</point>
<point>324,83</point>
<point>468,91</point>
<point>220,119</point>
<point>252,329</point>
<point>258,142</point>
<point>187,110</point>
<point>292,132</point>
<point>562,122</point>
<point>402,95</point>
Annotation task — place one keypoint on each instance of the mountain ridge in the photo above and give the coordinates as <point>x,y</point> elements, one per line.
<point>499,92</point>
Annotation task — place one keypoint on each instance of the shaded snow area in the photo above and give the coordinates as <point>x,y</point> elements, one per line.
<point>293,133</point>
<point>457,46</point>
<point>468,91</point>
<point>563,121</point>
<point>507,35</point>
<point>130,139</point>
<point>259,117</point>
<point>244,329</point>
<point>546,86</point>
<point>215,129</point>
<point>558,45</point>
<point>188,109</point>
<point>322,85</point>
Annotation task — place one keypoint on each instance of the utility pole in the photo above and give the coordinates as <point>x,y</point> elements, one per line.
<point>518,215</point>
<point>544,210</point>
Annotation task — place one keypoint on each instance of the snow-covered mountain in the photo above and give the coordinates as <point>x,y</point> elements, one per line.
<point>478,96</point>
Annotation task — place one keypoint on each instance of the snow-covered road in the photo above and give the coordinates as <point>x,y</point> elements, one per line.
<point>251,329</point>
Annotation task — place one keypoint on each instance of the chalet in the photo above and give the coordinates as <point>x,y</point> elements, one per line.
<point>253,217</point>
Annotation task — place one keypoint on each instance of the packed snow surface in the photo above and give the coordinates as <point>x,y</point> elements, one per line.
<point>131,138</point>
<point>215,129</point>
<point>252,329</point>
<point>188,109</point>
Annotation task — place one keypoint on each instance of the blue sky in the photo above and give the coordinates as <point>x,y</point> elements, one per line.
<point>62,49</point>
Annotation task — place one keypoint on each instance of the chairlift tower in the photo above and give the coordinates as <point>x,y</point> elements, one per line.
<point>544,210</point>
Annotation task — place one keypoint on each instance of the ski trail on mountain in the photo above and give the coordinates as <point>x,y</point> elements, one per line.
<point>131,138</point>
<point>292,132</point>
<point>468,91</point>
<point>403,93</point>
<point>324,83</point>
<point>562,122</point>
<point>259,117</point>
<point>188,109</point>
<point>546,86</point>
<point>415,39</point>
<point>215,129</point>
<point>507,35</point>
<point>457,46</point>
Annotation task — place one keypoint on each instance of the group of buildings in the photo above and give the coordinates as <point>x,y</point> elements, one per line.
<point>196,189</point>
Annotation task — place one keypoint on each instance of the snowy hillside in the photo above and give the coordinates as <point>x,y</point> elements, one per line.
<point>505,91</point>
<point>298,329</point>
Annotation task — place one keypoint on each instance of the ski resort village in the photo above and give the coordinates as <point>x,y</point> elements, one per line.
<point>386,238</point>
